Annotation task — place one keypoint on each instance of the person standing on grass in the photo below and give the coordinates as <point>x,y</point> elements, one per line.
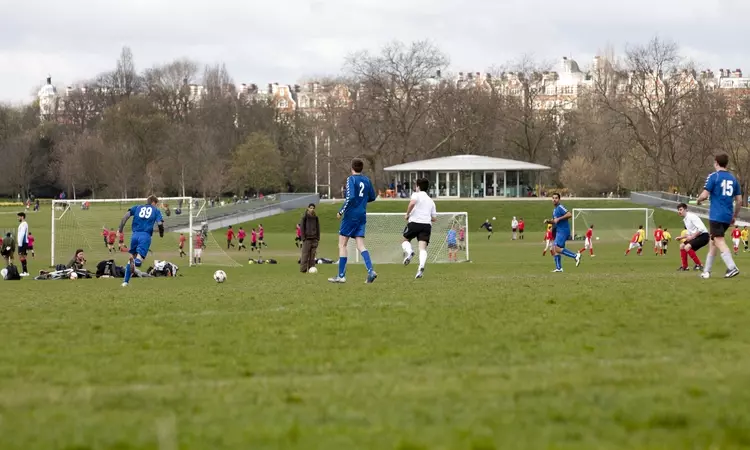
<point>261,233</point>
<point>230,237</point>
<point>182,245</point>
<point>665,242</point>
<point>513,228</point>
<point>31,245</point>
<point>560,218</point>
<point>725,194</point>
<point>744,236</point>
<point>298,237</point>
<point>521,226</point>
<point>353,216</point>
<point>587,243</point>
<point>420,215</point>
<point>23,243</point>
<point>736,234</point>
<point>9,248</point>
<point>241,235</point>
<point>310,226</point>
<point>693,238</point>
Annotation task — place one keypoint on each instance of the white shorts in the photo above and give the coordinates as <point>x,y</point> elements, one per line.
<point>633,245</point>
<point>587,243</point>
<point>197,252</point>
<point>547,244</point>
<point>657,244</point>
<point>736,242</point>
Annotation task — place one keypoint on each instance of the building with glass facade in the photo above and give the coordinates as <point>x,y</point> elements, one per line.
<point>469,176</point>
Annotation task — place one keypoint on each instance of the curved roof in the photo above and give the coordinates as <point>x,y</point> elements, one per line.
<point>465,162</point>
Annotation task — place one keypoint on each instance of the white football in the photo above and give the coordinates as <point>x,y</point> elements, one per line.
<point>312,270</point>
<point>73,276</point>
<point>494,218</point>
<point>220,276</point>
<point>3,273</point>
<point>597,238</point>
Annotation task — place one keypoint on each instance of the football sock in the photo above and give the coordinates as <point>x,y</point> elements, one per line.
<point>127,272</point>
<point>683,257</point>
<point>406,245</point>
<point>694,257</point>
<point>591,251</point>
<point>726,256</point>
<point>558,262</point>
<point>568,253</point>
<point>342,266</point>
<point>422,259</point>
<point>367,260</point>
<point>23,265</point>
<point>709,262</point>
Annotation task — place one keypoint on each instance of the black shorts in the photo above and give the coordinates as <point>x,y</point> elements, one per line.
<point>253,244</point>
<point>421,231</point>
<point>520,230</point>
<point>717,229</point>
<point>297,238</point>
<point>699,242</point>
<point>22,250</point>
<point>489,229</point>
<point>30,248</point>
<point>452,246</point>
<point>664,242</point>
<point>241,240</point>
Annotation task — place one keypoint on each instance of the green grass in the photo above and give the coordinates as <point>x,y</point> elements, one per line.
<point>496,354</point>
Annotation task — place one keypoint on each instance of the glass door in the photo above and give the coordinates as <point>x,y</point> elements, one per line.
<point>442,184</point>
<point>501,188</point>
<point>453,184</point>
<point>489,184</point>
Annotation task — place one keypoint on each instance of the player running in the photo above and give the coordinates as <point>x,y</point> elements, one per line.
<point>560,218</point>
<point>548,244</point>
<point>744,236</point>
<point>298,236</point>
<point>241,235</point>
<point>693,238</point>
<point>665,241</point>
<point>182,245</point>
<point>31,244</point>
<point>111,237</point>
<point>420,215</point>
<point>637,241</point>
<point>253,240</point>
<point>658,238</point>
<point>105,235</point>
<point>736,235</point>
<point>487,225</point>
<point>261,238</point>
<point>353,215</point>
<point>144,219</point>
<point>587,242</point>
<point>725,195</point>
<point>230,237</point>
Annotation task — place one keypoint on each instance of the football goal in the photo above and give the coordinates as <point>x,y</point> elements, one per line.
<point>87,224</point>
<point>613,223</point>
<point>385,231</point>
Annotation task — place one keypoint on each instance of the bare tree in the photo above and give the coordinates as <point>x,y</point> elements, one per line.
<point>170,87</point>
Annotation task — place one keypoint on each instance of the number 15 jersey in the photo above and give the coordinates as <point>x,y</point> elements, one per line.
<point>359,192</point>
<point>722,187</point>
<point>145,217</point>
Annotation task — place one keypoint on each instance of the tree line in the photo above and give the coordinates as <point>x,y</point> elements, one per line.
<point>645,120</point>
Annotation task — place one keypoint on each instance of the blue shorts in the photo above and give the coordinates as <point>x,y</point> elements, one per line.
<point>140,243</point>
<point>560,239</point>
<point>352,228</point>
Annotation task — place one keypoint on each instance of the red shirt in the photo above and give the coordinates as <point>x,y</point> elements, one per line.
<point>122,238</point>
<point>253,236</point>
<point>548,235</point>
<point>520,225</point>
<point>590,233</point>
<point>198,241</point>
<point>299,231</point>
<point>31,241</point>
<point>260,232</point>
<point>736,233</point>
<point>111,236</point>
<point>658,235</point>
<point>182,240</point>
<point>230,234</point>
<point>241,234</point>
<point>635,237</point>
<point>105,233</point>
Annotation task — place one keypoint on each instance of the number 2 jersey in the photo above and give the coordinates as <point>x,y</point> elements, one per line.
<point>145,217</point>
<point>722,187</point>
<point>359,192</point>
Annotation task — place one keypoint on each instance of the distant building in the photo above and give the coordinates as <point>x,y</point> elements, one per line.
<point>48,101</point>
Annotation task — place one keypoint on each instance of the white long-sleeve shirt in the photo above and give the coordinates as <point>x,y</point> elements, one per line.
<point>694,224</point>
<point>23,234</point>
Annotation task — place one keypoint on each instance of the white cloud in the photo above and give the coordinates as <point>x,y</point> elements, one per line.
<point>287,40</point>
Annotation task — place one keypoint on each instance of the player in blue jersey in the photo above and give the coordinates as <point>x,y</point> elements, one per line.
<point>353,215</point>
<point>725,194</point>
<point>560,219</point>
<point>144,219</point>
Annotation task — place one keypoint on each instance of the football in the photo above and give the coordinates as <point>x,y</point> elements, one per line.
<point>494,218</point>
<point>312,270</point>
<point>220,276</point>
<point>73,276</point>
<point>597,238</point>
<point>3,274</point>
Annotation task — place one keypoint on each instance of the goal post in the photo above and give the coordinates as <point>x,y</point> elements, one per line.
<point>612,223</point>
<point>80,224</point>
<point>385,231</point>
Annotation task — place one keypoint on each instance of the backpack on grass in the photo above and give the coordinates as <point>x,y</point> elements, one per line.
<point>13,273</point>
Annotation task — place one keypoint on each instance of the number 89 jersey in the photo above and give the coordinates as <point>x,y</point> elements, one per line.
<point>722,187</point>
<point>145,217</point>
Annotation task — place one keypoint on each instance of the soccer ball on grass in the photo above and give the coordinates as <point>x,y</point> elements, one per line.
<point>312,270</point>
<point>494,218</point>
<point>73,276</point>
<point>220,276</point>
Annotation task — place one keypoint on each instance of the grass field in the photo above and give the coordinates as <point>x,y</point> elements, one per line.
<point>494,354</point>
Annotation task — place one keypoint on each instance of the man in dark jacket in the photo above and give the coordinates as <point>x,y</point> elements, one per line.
<point>310,227</point>
<point>8,248</point>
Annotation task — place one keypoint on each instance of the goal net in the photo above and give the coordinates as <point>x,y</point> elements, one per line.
<point>613,224</point>
<point>384,237</point>
<point>81,224</point>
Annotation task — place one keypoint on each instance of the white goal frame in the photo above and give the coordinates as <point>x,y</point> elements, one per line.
<point>647,214</point>
<point>398,239</point>
<point>66,205</point>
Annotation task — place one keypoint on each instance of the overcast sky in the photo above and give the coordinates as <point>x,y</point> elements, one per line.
<point>288,40</point>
